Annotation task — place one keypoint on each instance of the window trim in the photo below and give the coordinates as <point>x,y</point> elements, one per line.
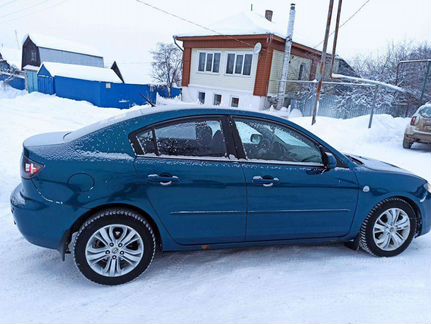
<point>225,127</point>
<point>214,96</point>
<point>231,99</point>
<point>234,74</point>
<point>243,157</point>
<point>212,62</point>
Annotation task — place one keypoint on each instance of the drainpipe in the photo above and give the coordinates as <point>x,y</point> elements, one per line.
<point>287,51</point>
<point>175,42</point>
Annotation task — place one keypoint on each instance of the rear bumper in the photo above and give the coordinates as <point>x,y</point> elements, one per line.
<point>42,222</point>
<point>419,137</point>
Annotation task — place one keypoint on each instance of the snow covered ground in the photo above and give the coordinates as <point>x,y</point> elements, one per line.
<point>328,284</point>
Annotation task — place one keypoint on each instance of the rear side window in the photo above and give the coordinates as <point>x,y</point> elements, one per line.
<point>191,138</point>
<point>425,112</point>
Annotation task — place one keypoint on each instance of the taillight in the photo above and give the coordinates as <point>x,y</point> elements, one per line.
<point>30,168</point>
<point>413,121</point>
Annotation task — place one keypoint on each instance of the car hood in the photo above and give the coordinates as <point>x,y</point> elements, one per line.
<point>377,165</point>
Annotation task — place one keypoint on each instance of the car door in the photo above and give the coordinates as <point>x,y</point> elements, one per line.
<point>290,193</point>
<point>196,190</point>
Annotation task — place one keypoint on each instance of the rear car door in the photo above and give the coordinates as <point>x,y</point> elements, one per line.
<point>196,190</point>
<point>290,194</point>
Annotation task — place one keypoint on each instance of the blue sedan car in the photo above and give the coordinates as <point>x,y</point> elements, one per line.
<point>176,179</point>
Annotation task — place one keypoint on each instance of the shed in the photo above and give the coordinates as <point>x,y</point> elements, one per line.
<point>37,49</point>
<point>100,86</point>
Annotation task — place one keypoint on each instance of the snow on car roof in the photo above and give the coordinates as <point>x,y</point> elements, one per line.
<point>90,73</point>
<point>62,44</point>
<point>244,23</point>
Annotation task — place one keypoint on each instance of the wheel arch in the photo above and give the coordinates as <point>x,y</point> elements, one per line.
<point>415,208</point>
<point>84,217</point>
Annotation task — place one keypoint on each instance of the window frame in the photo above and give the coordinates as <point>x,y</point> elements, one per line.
<point>206,53</point>
<point>214,97</point>
<point>225,127</point>
<point>236,54</point>
<point>231,101</point>
<point>241,154</point>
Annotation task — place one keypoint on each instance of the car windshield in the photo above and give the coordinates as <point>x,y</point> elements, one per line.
<point>425,112</point>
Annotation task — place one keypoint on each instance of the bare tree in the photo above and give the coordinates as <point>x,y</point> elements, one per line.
<point>167,65</point>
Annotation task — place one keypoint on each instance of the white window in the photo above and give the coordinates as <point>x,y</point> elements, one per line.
<point>217,99</point>
<point>33,56</point>
<point>234,102</point>
<point>209,62</point>
<point>201,97</point>
<point>239,63</point>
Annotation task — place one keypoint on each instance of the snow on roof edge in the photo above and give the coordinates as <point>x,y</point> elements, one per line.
<point>83,72</point>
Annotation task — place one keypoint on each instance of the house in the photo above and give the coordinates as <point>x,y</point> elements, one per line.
<point>37,49</point>
<point>238,62</point>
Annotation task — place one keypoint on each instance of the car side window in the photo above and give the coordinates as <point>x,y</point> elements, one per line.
<point>268,141</point>
<point>194,138</point>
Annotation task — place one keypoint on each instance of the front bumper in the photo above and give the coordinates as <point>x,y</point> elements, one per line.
<point>425,209</point>
<point>41,222</point>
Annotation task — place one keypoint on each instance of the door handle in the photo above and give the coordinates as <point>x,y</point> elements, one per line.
<point>164,180</point>
<point>265,181</point>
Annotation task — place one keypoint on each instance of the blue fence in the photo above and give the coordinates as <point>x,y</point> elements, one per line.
<point>15,82</point>
<point>102,94</point>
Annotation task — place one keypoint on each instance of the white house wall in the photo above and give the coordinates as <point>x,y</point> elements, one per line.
<point>221,79</point>
<point>52,55</point>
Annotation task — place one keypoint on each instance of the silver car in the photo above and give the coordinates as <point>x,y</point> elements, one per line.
<point>419,129</point>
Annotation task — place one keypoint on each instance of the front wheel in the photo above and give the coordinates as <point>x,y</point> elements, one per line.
<point>114,246</point>
<point>389,228</point>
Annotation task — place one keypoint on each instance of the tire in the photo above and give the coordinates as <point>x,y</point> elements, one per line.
<point>406,143</point>
<point>124,261</point>
<point>372,237</point>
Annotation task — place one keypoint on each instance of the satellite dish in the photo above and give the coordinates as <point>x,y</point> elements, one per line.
<point>257,48</point>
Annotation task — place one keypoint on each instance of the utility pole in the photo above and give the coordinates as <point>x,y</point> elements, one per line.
<point>287,51</point>
<point>322,62</point>
<point>334,44</point>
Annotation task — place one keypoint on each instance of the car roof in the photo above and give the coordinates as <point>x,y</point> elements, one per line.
<point>169,110</point>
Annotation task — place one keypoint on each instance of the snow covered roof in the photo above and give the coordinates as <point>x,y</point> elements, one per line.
<point>241,24</point>
<point>62,44</point>
<point>90,73</point>
<point>11,55</point>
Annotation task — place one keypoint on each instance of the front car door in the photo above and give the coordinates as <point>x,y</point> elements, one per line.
<point>196,190</point>
<point>290,194</point>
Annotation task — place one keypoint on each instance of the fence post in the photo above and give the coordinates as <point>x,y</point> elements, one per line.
<point>373,106</point>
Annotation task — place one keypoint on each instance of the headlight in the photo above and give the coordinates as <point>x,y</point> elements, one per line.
<point>428,187</point>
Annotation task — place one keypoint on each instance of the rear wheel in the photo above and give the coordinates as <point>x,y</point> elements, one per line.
<point>407,144</point>
<point>114,246</point>
<point>389,228</point>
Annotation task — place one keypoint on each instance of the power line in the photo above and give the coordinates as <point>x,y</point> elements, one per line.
<point>346,21</point>
<point>7,3</point>
<point>33,12</point>
<point>193,23</point>
<point>23,9</point>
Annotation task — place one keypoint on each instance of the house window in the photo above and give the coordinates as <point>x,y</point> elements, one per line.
<point>201,96</point>
<point>301,71</point>
<point>239,64</point>
<point>217,100</point>
<point>33,55</point>
<point>234,102</point>
<point>209,62</point>
<point>230,63</point>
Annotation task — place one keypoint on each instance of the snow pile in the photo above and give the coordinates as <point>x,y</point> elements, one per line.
<point>307,284</point>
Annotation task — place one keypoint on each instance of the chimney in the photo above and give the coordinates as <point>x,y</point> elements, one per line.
<point>268,15</point>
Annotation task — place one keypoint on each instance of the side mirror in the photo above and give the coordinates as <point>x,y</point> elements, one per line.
<point>256,138</point>
<point>329,160</point>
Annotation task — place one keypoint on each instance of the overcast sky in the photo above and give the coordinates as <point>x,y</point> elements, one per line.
<point>126,30</point>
